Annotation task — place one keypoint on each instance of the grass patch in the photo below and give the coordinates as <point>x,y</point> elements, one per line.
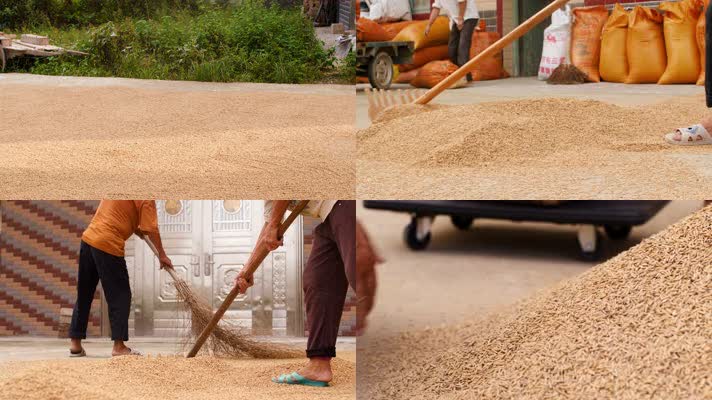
<point>250,43</point>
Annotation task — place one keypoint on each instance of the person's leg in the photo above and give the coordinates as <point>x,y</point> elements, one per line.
<point>87,280</point>
<point>342,221</point>
<point>453,43</point>
<point>463,50</point>
<point>114,278</point>
<point>325,287</point>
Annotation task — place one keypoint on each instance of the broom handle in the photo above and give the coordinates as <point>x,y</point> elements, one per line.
<point>493,49</point>
<point>153,248</point>
<point>249,269</point>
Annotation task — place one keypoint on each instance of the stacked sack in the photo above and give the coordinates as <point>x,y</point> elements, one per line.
<point>644,45</point>
<point>557,43</point>
<point>427,48</point>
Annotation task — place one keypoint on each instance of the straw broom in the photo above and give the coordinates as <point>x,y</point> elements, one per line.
<point>225,340</point>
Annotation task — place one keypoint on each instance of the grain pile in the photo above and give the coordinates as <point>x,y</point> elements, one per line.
<point>227,340</point>
<point>580,149</point>
<point>637,326</point>
<point>149,378</point>
<point>70,138</point>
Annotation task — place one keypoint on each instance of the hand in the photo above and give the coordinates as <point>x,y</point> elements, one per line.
<point>244,281</point>
<point>270,238</point>
<point>165,262</point>
<point>366,260</point>
<point>427,30</point>
<point>460,23</point>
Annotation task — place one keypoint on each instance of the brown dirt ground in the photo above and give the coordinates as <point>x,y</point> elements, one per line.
<point>129,141</point>
<point>534,149</point>
<point>148,378</point>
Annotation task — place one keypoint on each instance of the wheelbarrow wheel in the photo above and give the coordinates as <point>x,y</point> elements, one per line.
<point>412,239</point>
<point>380,71</point>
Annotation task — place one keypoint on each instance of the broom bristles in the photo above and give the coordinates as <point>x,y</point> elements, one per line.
<point>226,340</point>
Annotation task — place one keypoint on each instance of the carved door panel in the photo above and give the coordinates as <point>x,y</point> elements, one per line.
<point>209,241</point>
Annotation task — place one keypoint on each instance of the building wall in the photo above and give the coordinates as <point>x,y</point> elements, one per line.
<point>38,262</point>
<point>39,250</point>
<point>486,8</point>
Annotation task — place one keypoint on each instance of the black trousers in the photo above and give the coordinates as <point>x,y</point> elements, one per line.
<point>708,57</point>
<point>94,266</point>
<point>458,46</point>
<point>329,272</point>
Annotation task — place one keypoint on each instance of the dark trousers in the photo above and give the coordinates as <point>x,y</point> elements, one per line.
<point>94,266</point>
<point>458,46</point>
<point>708,57</point>
<point>330,270</point>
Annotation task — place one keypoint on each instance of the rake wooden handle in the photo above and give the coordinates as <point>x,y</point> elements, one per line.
<point>250,269</point>
<point>153,248</point>
<point>495,48</point>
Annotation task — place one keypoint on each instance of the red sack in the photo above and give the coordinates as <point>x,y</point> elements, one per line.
<point>426,55</point>
<point>370,31</point>
<point>586,40</point>
<point>433,73</point>
<point>406,77</point>
<point>492,67</point>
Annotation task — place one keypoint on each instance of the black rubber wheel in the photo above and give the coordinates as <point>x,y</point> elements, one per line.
<point>618,232</point>
<point>596,254</point>
<point>462,223</point>
<point>380,71</point>
<point>411,238</point>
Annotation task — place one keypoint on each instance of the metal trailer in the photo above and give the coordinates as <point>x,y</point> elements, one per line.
<point>617,218</point>
<point>375,60</point>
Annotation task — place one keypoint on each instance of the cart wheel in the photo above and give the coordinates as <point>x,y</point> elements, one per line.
<point>462,223</point>
<point>410,235</point>
<point>596,253</point>
<point>380,71</point>
<point>618,232</point>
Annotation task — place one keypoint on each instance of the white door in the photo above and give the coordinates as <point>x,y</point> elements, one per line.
<point>209,241</point>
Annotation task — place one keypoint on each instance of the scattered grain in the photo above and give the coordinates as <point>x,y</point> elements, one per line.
<point>637,326</point>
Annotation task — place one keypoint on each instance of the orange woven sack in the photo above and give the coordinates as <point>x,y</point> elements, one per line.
<point>393,28</point>
<point>406,77</point>
<point>614,61</point>
<point>415,32</point>
<point>492,67</point>
<point>586,39</point>
<point>701,22</point>
<point>680,27</point>
<point>426,55</point>
<point>370,31</point>
<point>433,73</point>
<point>645,46</point>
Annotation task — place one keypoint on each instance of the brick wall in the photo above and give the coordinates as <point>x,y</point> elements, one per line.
<point>39,251</point>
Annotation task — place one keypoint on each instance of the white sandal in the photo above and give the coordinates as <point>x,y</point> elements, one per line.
<point>81,353</point>
<point>690,136</point>
<point>131,352</point>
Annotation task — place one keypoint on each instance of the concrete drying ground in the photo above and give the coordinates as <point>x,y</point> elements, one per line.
<point>24,363</point>
<point>467,275</point>
<point>67,137</point>
<point>384,179</point>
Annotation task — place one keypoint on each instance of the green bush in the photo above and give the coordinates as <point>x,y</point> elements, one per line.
<point>251,42</point>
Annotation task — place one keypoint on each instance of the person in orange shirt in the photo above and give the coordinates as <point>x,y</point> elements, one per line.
<point>101,258</point>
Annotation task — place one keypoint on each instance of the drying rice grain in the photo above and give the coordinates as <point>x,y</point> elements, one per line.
<point>637,326</point>
<point>582,149</point>
<point>149,378</point>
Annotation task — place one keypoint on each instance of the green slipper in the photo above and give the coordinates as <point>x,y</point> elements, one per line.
<point>296,379</point>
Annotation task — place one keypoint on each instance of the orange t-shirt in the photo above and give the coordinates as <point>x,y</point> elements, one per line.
<point>116,220</point>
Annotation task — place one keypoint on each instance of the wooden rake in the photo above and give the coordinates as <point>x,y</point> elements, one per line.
<point>260,255</point>
<point>380,100</point>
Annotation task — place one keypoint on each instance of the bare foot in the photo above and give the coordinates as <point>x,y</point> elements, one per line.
<point>76,346</point>
<point>317,369</point>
